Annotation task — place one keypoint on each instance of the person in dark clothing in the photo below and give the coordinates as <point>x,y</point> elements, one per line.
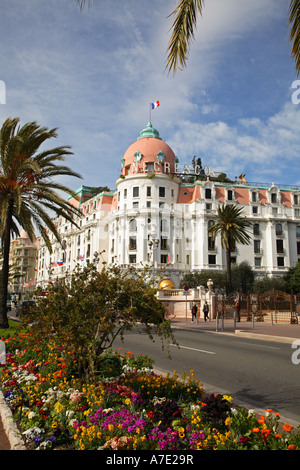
<point>206,311</point>
<point>194,312</point>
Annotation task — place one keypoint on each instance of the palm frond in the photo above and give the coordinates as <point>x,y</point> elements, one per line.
<point>294,21</point>
<point>83,2</point>
<point>182,32</point>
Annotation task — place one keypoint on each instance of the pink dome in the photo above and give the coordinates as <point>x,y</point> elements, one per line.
<point>149,152</point>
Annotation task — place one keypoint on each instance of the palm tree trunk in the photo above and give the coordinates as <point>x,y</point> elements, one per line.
<point>228,270</point>
<point>5,267</point>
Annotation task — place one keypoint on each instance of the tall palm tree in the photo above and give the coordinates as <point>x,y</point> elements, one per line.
<point>231,225</point>
<point>28,192</point>
<point>185,21</point>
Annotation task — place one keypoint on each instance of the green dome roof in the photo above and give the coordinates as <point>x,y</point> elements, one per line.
<point>149,132</point>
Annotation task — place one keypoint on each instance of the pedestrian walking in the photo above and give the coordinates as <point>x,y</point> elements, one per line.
<point>237,307</point>
<point>194,312</point>
<point>206,311</point>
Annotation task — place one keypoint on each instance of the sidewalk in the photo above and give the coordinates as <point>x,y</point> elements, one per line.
<point>280,332</point>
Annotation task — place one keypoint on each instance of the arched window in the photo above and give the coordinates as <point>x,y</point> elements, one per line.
<point>132,225</point>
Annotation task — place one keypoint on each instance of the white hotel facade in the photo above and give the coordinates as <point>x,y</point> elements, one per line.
<point>159,216</point>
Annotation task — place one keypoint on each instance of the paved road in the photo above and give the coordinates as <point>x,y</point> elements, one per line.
<point>259,374</point>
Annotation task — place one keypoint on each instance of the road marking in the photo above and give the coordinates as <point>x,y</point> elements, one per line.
<point>193,349</point>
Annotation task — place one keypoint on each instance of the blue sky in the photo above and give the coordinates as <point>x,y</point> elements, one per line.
<point>93,73</point>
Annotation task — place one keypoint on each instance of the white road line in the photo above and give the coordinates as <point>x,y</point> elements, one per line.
<point>193,349</point>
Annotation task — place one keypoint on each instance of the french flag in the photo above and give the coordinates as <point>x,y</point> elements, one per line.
<point>155,104</point>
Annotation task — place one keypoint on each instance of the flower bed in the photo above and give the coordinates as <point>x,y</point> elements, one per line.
<point>133,410</point>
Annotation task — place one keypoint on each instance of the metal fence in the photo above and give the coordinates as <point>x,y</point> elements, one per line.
<point>275,306</point>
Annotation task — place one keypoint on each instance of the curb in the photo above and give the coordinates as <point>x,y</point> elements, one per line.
<point>10,427</point>
<point>266,337</point>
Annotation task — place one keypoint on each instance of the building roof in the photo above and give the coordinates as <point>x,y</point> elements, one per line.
<point>149,148</point>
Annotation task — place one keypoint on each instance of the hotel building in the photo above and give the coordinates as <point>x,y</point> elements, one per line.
<point>160,213</point>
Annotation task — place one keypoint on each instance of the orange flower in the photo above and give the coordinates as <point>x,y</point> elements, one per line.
<point>287,427</point>
<point>291,447</point>
<point>255,430</point>
<point>269,410</point>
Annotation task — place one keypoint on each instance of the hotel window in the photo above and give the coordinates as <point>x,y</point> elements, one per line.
<point>254,210</point>
<point>132,225</point>
<point>150,167</point>
<point>125,193</point>
<point>135,205</point>
<point>257,262</point>
<point>279,246</point>
<point>163,243</point>
<point>296,199</point>
<point>256,229</point>
<point>298,248</point>
<point>212,259</point>
<point>132,259</point>
<point>278,229</point>
<point>298,231</point>
<point>148,191</point>
<point>135,191</point>
<point>280,261</point>
<point>162,191</point>
<point>211,240</point>
<point>230,195</point>
<point>207,193</point>
<point>274,211</point>
<point>132,243</point>
<point>274,198</point>
<point>254,197</point>
<point>148,204</point>
<point>256,246</point>
<point>163,259</point>
<point>297,212</point>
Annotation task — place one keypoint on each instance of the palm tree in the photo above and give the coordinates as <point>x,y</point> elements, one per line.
<point>28,192</point>
<point>184,24</point>
<point>232,226</point>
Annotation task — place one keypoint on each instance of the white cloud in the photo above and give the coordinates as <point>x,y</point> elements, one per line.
<point>253,146</point>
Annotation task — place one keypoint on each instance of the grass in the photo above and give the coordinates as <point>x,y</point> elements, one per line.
<point>14,328</point>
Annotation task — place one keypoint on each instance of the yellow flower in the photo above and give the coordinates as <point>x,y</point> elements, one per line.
<point>58,407</point>
<point>228,421</point>
<point>127,401</point>
<point>228,398</point>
